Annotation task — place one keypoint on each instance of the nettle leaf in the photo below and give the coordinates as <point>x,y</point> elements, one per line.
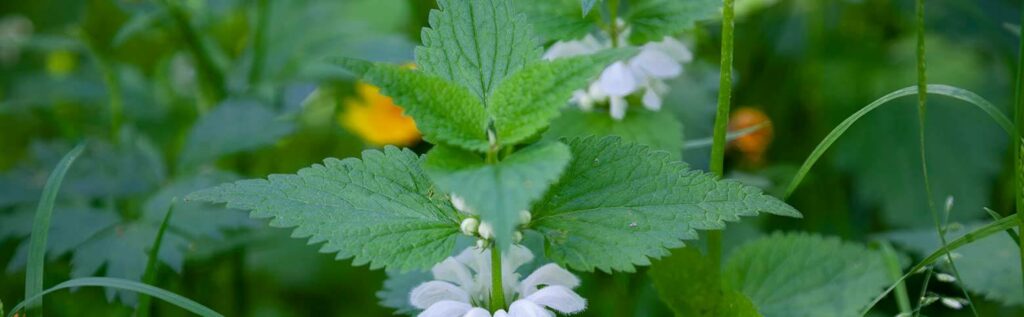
<point>528,100</point>
<point>192,218</point>
<point>380,210</point>
<point>555,20</point>
<point>806,275</point>
<point>654,129</point>
<point>444,112</point>
<point>619,204</point>
<point>232,127</point>
<point>691,284</point>
<point>990,266</point>
<point>651,20</point>
<point>586,5</point>
<point>498,191</point>
<point>476,44</point>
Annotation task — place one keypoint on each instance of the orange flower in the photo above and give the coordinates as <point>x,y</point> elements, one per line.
<point>754,144</point>
<point>377,119</point>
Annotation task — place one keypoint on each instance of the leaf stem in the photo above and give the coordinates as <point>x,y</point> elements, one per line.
<point>717,164</point>
<point>1018,145</point>
<point>497,290</point>
<point>922,108</point>
<point>613,25</point>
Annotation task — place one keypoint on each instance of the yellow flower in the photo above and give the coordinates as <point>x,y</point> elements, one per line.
<point>377,119</point>
<point>60,63</point>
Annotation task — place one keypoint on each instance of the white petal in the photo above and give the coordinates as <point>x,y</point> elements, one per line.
<point>596,93</point>
<point>582,99</point>
<point>516,257</point>
<point>566,49</point>
<point>477,312</point>
<point>559,298</point>
<point>430,293</point>
<point>500,313</point>
<point>617,80</point>
<point>656,64</point>
<point>452,271</point>
<point>525,308</point>
<point>460,204</point>
<point>618,108</point>
<point>446,309</point>
<point>651,100</point>
<point>674,48</point>
<point>549,274</point>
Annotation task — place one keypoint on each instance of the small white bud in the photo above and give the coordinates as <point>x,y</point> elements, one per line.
<point>949,203</point>
<point>486,231</point>
<point>954,303</point>
<point>469,226</point>
<point>945,278</point>
<point>928,300</point>
<point>524,217</point>
<point>460,205</point>
<point>517,237</point>
<point>491,138</point>
<point>481,244</point>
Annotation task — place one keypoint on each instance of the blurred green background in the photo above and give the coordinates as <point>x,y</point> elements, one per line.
<point>806,64</point>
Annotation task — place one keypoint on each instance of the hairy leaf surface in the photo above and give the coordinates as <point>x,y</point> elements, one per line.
<point>619,204</point>
<point>380,210</point>
<point>691,285</point>
<point>796,275</point>
<point>476,44</point>
<point>498,191</point>
<point>636,127</point>
<point>653,19</point>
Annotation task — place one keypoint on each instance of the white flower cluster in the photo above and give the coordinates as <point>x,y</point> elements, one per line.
<point>462,287</point>
<point>646,72</point>
<point>472,226</point>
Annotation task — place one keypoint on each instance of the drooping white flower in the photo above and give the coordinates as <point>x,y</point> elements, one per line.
<point>462,287</point>
<point>643,73</point>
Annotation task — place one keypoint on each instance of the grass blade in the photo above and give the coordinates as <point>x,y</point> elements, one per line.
<point>122,284</point>
<point>941,90</point>
<point>41,226</point>
<point>977,234</point>
<point>705,142</point>
<point>151,264</point>
<point>892,262</point>
<point>995,216</point>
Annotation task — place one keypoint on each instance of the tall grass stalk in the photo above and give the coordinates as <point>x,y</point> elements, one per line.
<point>717,164</point>
<point>922,111</point>
<point>1018,144</point>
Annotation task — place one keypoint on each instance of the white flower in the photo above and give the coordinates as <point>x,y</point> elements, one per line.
<point>644,73</point>
<point>462,287</point>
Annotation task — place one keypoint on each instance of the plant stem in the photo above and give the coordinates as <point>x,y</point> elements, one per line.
<point>213,83</point>
<point>1018,145</point>
<point>111,80</point>
<point>259,43</point>
<point>717,164</point>
<point>922,107</point>
<point>613,24</point>
<point>497,291</point>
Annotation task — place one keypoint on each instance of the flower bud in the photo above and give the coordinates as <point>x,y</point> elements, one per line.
<point>469,226</point>
<point>524,217</point>
<point>486,231</point>
<point>517,237</point>
<point>481,244</point>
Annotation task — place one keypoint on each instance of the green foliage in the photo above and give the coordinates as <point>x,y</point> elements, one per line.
<point>380,210</point>
<point>498,191</point>
<point>444,112</point>
<point>619,204</point>
<point>555,20</point>
<point>636,127</point>
<point>476,44</point>
<point>653,19</point>
<point>586,5</point>
<point>41,225</point>
<point>691,285</point>
<point>395,293</point>
<point>989,266</point>
<point>529,99</point>
<point>806,275</point>
<point>233,126</point>
<point>127,285</point>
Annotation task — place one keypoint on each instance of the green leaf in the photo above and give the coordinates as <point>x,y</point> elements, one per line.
<point>113,283</point>
<point>638,127</point>
<point>498,191</point>
<point>619,204</point>
<point>797,275</point>
<point>651,20</point>
<point>555,20</point>
<point>444,112</point>
<point>193,218</point>
<point>380,210</point>
<point>528,100</point>
<point>476,44</point>
<point>41,226</point>
<point>397,288</point>
<point>232,127</point>
<point>71,227</point>
<point>691,285</point>
<point>586,5</point>
<point>990,266</point>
